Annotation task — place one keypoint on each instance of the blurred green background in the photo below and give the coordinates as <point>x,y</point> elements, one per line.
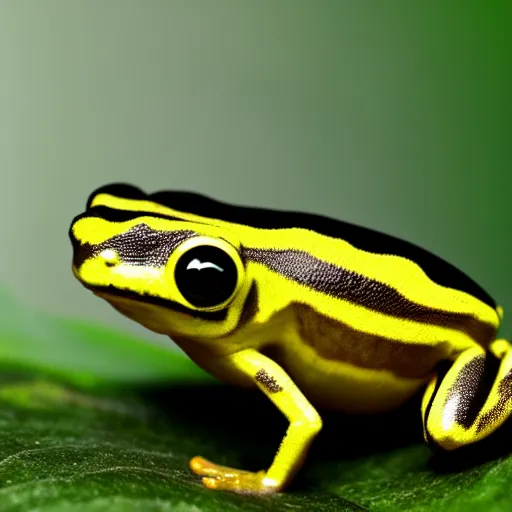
<point>395,115</point>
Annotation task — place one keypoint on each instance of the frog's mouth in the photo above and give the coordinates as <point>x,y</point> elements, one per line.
<point>113,294</point>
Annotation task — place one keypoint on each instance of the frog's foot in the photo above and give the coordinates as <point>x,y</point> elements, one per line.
<point>230,479</point>
<point>472,399</point>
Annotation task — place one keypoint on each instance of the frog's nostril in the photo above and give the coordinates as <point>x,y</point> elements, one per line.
<point>110,257</point>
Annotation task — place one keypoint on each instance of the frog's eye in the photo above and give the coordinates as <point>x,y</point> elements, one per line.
<point>207,276</point>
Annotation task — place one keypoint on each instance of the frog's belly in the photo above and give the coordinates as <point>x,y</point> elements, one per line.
<point>343,387</point>
<point>338,367</point>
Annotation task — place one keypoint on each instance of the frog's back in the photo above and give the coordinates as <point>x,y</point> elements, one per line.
<point>360,237</point>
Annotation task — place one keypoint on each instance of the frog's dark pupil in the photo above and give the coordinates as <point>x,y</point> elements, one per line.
<point>206,276</point>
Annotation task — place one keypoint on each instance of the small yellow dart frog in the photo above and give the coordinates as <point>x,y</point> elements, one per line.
<point>311,310</point>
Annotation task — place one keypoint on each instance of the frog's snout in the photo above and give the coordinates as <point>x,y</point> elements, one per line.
<point>81,252</point>
<point>86,251</point>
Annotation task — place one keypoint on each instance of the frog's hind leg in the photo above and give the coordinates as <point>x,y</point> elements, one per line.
<point>471,399</point>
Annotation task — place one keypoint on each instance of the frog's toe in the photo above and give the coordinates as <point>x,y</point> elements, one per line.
<point>225,478</point>
<point>204,467</point>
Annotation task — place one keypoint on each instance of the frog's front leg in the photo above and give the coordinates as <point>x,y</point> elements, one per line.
<point>305,423</point>
<point>463,407</point>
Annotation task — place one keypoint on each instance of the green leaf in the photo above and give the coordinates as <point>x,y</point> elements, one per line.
<point>95,420</point>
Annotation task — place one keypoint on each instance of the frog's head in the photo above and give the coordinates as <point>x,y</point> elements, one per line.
<point>171,271</point>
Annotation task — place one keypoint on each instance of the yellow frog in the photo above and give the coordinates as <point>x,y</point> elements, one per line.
<point>311,310</point>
